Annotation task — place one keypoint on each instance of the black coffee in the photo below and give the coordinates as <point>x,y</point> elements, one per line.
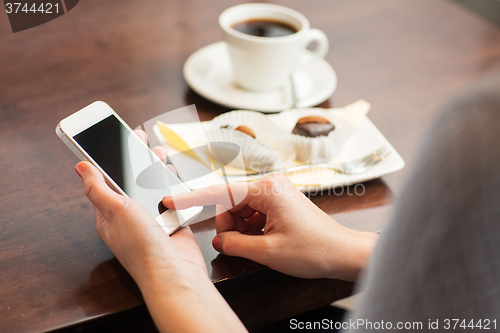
<point>264,28</point>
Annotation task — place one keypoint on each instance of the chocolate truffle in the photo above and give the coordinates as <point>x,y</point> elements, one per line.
<point>313,126</point>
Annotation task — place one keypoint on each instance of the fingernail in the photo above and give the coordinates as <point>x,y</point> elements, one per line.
<point>166,199</point>
<point>216,243</point>
<point>80,168</point>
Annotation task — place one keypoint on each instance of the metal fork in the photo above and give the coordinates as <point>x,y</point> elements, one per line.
<point>353,167</point>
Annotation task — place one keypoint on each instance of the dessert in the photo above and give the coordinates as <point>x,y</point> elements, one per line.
<point>262,144</point>
<point>313,137</point>
<point>246,130</point>
<point>313,126</point>
<point>242,128</point>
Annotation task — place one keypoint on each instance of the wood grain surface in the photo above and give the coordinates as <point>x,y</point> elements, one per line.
<point>405,57</point>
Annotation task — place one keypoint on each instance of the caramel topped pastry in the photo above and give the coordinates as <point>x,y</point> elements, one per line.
<point>246,130</point>
<point>242,128</point>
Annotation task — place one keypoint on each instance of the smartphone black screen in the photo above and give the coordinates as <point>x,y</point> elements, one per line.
<point>129,163</point>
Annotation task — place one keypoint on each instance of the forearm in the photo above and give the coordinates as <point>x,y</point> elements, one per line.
<point>188,303</point>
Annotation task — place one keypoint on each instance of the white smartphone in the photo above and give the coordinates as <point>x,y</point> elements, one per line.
<point>98,135</point>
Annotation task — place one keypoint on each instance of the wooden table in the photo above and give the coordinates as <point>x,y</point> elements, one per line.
<point>405,58</point>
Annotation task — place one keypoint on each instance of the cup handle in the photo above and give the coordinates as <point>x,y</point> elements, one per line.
<point>318,36</point>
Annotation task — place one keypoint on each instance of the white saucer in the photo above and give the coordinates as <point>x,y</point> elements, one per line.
<point>208,72</point>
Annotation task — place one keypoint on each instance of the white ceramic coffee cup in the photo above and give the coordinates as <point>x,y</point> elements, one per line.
<point>266,63</point>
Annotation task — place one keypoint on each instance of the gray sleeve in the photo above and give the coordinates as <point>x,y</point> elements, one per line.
<point>439,255</point>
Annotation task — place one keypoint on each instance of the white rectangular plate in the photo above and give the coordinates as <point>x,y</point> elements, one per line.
<point>365,140</point>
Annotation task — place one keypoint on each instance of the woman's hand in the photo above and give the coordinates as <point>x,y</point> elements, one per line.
<point>132,233</point>
<point>170,271</point>
<point>277,226</point>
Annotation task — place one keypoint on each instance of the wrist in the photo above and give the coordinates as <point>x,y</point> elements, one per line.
<point>173,295</point>
<point>352,253</point>
<point>168,275</point>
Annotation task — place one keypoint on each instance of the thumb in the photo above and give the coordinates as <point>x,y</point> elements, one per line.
<point>236,244</point>
<point>107,201</point>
